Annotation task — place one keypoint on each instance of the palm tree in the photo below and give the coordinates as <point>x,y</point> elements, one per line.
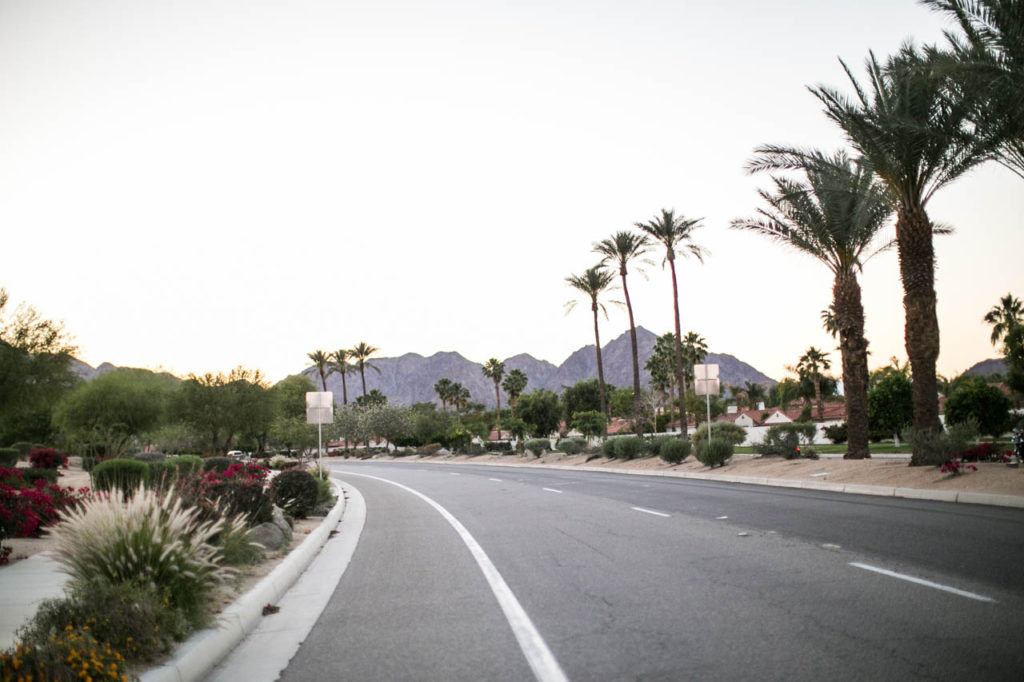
<point>834,215</point>
<point>621,248</point>
<point>361,354</point>
<point>917,140</point>
<point>829,322</point>
<point>514,384</point>
<point>695,351</point>
<point>340,364</point>
<point>494,370</point>
<point>661,366</point>
<point>322,363</point>
<point>459,398</point>
<point>676,234</point>
<point>755,393</point>
<point>987,69</point>
<point>594,282</point>
<point>811,365</point>
<point>1004,317</point>
<point>443,388</point>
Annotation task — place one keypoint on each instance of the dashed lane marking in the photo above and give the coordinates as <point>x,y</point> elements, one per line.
<point>926,583</point>
<point>652,512</point>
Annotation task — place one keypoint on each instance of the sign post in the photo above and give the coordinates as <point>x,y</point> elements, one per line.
<point>320,411</point>
<point>705,384</point>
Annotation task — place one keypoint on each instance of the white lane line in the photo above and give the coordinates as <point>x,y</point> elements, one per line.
<point>651,511</point>
<point>543,663</point>
<point>454,474</point>
<point>926,583</point>
<point>552,490</point>
<point>495,479</point>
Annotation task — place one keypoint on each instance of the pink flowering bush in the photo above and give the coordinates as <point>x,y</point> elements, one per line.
<point>26,510</point>
<point>957,466</point>
<point>239,489</point>
<point>48,458</point>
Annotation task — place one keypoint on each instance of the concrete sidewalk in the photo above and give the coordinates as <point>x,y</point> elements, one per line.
<point>23,585</point>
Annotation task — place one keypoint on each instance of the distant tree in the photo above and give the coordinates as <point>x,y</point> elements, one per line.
<point>975,398</point>
<point>621,402</point>
<point>443,389</point>
<point>361,354</point>
<point>621,249</point>
<point>695,352</point>
<point>594,282</point>
<point>811,365</point>
<point>541,411</point>
<point>288,428</point>
<point>460,399</point>
<point>661,365</point>
<point>1004,317</point>
<point>676,234</point>
<point>890,404</point>
<point>219,408</point>
<point>514,384</point>
<point>1013,349</point>
<point>322,364</point>
<point>583,396</point>
<point>494,370</point>
<point>591,423</point>
<point>755,393</point>
<point>341,364</point>
<point>372,399</point>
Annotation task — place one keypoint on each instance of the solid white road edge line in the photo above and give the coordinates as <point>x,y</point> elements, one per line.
<point>926,583</point>
<point>552,490</point>
<point>651,511</point>
<point>543,663</point>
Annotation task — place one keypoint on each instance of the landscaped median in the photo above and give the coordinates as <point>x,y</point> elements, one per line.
<point>149,559</point>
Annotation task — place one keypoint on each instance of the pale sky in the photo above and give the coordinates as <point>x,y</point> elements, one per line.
<point>198,184</point>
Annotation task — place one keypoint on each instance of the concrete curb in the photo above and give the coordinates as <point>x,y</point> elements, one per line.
<point>198,655</point>
<point>957,496</point>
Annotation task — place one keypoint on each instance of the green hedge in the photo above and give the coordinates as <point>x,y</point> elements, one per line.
<point>186,464</point>
<point>295,491</point>
<point>218,464</point>
<point>125,475</point>
<point>675,450</point>
<point>714,452</point>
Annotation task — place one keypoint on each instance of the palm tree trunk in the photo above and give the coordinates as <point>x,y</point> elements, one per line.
<point>344,390</point>
<point>854,350</point>
<point>917,270</point>
<point>638,421</point>
<point>671,397</point>
<point>600,366</point>
<point>497,408</point>
<point>679,350</point>
<point>362,375</point>
<point>817,396</point>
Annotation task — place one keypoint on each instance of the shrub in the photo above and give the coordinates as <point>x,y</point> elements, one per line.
<point>236,549</point>
<point>218,464</point>
<point>609,447</point>
<point>186,464</point>
<point>23,447</point>
<point>162,475</point>
<point>148,538</point>
<point>25,509</point>
<point>33,475</point>
<point>47,458</point>
<point>429,449</point>
<point>836,433</point>
<point>734,433</point>
<point>216,495</point>
<point>572,446</point>
<point>69,655</point>
<point>9,457</point>
<point>325,491</point>
<point>538,446</point>
<point>498,446</point>
<point>295,491</point>
<point>124,475</point>
<point>629,447</point>
<point>130,617</point>
<point>89,462</point>
<point>148,457</point>
<point>675,450</point>
<point>940,447</point>
<point>714,452</point>
<point>783,440</point>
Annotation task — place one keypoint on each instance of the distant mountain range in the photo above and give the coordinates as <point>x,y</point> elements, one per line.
<point>410,378</point>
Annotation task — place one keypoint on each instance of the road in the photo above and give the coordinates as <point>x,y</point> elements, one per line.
<point>633,577</point>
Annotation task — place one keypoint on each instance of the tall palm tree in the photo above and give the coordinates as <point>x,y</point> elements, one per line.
<point>322,363</point>
<point>341,365</point>
<point>917,139</point>
<point>676,234</point>
<point>661,366</point>
<point>460,398</point>
<point>1004,317</point>
<point>986,66</point>
<point>620,249</point>
<point>755,393</point>
<point>494,370</point>
<point>443,388</point>
<point>695,351</point>
<point>811,365</point>
<point>594,282</point>
<point>361,354</point>
<point>514,384</point>
<point>835,214</point>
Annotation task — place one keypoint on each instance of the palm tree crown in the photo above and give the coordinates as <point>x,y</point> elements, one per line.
<point>361,354</point>
<point>1004,317</point>
<point>494,370</point>
<point>322,363</point>
<point>340,364</point>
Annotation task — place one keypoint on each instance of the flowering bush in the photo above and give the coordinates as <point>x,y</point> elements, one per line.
<point>25,510</point>
<point>957,466</point>
<point>69,655</point>
<point>983,452</point>
<point>48,458</point>
<point>237,490</point>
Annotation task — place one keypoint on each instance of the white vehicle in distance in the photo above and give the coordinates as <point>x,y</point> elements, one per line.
<point>238,454</point>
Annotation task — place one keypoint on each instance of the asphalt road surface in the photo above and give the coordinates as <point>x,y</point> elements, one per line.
<point>621,577</point>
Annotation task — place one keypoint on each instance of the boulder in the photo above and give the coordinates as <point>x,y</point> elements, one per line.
<point>268,535</point>
<point>283,522</point>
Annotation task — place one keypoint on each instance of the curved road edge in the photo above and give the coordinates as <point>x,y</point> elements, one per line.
<point>241,622</point>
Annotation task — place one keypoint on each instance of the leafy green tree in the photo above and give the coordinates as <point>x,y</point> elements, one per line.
<point>514,385</point>
<point>835,215</point>
<point>583,396</point>
<point>341,363</point>
<point>288,428</point>
<point>322,363</point>
<point>389,423</point>
<point>917,140</point>
<point>676,234</point>
<point>594,282</point>
<point>541,411</point>
<point>1004,317</point>
<point>427,424</point>
<point>220,408</point>
<point>361,354</point>
<point>890,404</point>
<point>494,370</point>
<point>621,402</point>
<point>975,398</point>
<point>35,371</point>
<point>1013,349</point>
<point>621,249</point>
<point>697,405</point>
<point>662,367</point>
<point>372,399</point>
<point>591,423</point>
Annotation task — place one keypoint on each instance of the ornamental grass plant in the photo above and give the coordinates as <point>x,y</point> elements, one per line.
<point>150,540</point>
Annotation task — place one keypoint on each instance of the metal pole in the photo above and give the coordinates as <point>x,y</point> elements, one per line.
<point>320,440</point>
<point>707,394</point>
